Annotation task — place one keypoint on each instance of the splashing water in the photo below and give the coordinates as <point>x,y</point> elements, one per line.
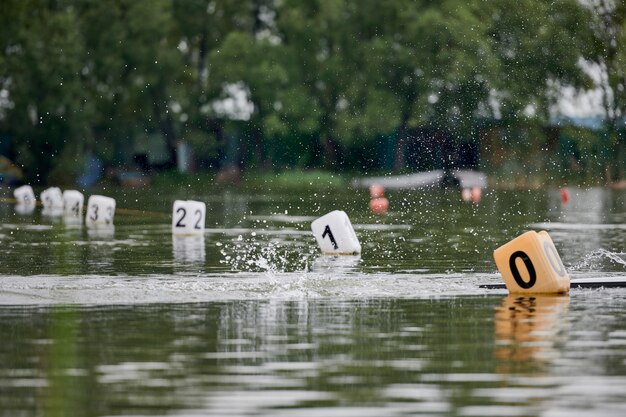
<point>257,255</point>
<point>599,260</point>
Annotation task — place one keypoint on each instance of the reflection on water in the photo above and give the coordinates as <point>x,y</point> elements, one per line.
<point>528,329</point>
<point>24,209</point>
<point>249,319</point>
<point>188,249</point>
<point>389,357</point>
<point>101,231</point>
<point>337,264</point>
<point>52,212</point>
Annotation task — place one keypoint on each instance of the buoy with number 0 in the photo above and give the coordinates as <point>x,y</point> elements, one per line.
<point>531,264</point>
<point>335,235</point>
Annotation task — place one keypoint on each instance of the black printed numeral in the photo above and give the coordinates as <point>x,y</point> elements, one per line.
<point>180,223</point>
<point>94,213</point>
<point>197,225</point>
<point>529,267</point>
<point>328,233</point>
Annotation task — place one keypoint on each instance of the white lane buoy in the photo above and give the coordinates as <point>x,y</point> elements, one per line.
<point>100,210</point>
<point>25,196</point>
<point>73,203</point>
<point>52,199</point>
<point>188,217</point>
<point>335,235</point>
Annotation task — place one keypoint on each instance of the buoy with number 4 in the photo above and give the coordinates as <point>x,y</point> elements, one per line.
<point>335,235</point>
<point>73,201</point>
<point>530,264</point>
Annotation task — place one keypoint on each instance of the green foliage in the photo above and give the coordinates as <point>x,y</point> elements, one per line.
<point>325,78</point>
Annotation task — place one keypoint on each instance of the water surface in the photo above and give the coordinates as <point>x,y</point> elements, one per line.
<point>250,320</point>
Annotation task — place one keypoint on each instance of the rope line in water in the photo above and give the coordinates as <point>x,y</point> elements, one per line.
<point>122,211</point>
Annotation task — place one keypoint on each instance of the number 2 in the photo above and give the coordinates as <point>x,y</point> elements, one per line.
<point>180,223</point>
<point>197,225</point>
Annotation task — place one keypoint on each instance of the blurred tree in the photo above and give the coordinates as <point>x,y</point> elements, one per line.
<point>609,26</point>
<point>42,62</point>
<point>133,69</point>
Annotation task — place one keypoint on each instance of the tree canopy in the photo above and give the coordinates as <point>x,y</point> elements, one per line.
<point>325,82</point>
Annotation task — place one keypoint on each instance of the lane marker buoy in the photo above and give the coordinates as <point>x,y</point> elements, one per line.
<point>25,196</point>
<point>188,217</point>
<point>100,211</point>
<point>531,264</point>
<point>73,202</point>
<point>335,235</point>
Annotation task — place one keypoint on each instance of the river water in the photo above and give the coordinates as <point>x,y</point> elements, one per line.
<point>250,320</point>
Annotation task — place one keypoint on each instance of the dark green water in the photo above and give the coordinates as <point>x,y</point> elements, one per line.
<point>252,321</point>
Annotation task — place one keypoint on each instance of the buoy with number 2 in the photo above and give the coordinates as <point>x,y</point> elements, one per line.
<point>188,217</point>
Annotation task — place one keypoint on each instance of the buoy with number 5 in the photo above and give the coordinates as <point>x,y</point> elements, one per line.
<point>335,235</point>
<point>530,264</point>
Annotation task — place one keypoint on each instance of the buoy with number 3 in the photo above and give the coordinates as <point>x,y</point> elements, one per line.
<point>530,264</point>
<point>100,211</point>
<point>335,235</point>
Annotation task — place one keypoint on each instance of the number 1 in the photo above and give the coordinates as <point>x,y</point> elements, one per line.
<point>330,236</point>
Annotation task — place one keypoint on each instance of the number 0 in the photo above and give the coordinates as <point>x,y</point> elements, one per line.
<point>529,267</point>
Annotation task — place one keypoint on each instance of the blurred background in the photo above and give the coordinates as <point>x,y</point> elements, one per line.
<point>530,92</point>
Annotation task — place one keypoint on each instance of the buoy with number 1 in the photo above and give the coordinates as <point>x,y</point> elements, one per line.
<point>335,235</point>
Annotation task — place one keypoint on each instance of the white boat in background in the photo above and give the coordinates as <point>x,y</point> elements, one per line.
<point>463,178</point>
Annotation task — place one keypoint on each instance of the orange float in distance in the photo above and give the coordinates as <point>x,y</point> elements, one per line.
<point>377,191</point>
<point>530,264</point>
<point>564,195</point>
<point>476,194</point>
<point>379,205</point>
